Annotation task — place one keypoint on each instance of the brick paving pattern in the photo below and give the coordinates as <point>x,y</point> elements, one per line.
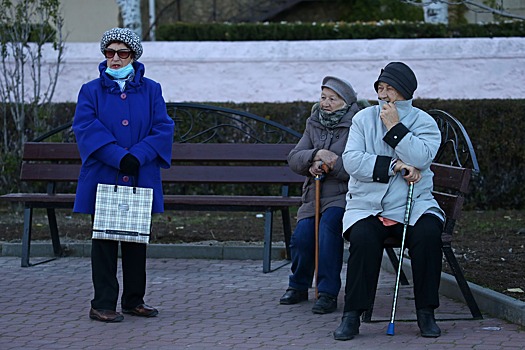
<point>216,304</point>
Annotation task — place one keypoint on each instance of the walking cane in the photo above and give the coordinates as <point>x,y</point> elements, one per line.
<point>317,215</point>
<point>318,179</point>
<point>408,209</point>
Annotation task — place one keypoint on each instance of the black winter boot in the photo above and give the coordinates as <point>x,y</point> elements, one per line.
<point>349,326</point>
<point>427,323</point>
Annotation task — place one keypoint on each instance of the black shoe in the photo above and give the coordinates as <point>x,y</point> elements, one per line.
<point>293,296</point>
<point>349,326</point>
<point>325,304</point>
<point>142,310</point>
<point>105,315</point>
<point>427,323</point>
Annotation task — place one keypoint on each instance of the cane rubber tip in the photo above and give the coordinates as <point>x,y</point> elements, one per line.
<point>390,330</point>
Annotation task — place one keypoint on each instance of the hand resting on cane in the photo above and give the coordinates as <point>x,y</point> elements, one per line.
<point>327,157</point>
<point>410,173</point>
<point>324,162</point>
<point>319,168</point>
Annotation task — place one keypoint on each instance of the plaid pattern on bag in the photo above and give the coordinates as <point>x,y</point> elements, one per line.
<point>123,213</point>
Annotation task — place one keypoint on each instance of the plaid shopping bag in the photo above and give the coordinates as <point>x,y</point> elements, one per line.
<point>123,213</point>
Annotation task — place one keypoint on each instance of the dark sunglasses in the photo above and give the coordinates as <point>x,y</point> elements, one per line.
<point>123,54</point>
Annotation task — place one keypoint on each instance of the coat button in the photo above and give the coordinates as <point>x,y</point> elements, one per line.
<point>125,122</point>
<point>125,178</point>
<point>123,96</point>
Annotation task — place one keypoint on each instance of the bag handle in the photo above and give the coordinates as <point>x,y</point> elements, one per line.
<point>135,182</point>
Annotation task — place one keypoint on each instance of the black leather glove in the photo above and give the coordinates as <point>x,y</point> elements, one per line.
<point>130,165</point>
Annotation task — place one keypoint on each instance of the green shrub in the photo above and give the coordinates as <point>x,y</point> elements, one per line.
<point>333,30</point>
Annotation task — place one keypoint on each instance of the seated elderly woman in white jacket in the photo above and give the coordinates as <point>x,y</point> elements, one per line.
<point>385,142</point>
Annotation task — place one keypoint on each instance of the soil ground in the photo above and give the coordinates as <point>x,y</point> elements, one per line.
<point>489,245</point>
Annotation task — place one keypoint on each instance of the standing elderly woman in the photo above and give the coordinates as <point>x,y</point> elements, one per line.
<point>318,153</point>
<point>122,128</point>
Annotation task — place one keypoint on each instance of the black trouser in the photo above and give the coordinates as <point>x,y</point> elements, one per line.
<point>104,256</point>
<point>366,237</point>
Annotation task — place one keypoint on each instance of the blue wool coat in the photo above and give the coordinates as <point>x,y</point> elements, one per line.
<point>108,124</point>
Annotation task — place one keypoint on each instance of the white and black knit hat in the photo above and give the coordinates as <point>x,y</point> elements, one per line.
<point>125,35</point>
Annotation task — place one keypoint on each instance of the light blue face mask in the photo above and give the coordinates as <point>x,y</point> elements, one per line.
<point>121,73</point>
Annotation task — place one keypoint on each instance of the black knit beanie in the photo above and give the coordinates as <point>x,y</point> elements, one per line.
<point>400,76</point>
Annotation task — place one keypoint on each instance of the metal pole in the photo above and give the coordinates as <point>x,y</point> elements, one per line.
<point>408,209</point>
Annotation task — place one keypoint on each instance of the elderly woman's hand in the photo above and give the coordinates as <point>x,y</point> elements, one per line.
<point>389,115</point>
<point>327,157</point>
<point>411,174</point>
<point>318,168</point>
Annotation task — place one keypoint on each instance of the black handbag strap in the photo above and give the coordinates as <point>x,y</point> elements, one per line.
<point>135,182</point>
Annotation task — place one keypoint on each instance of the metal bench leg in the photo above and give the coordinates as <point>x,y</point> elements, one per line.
<point>53,227</point>
<point>26,236</point>
<point>287,229</point>
<point>462,283</point>
<point>267,253</point>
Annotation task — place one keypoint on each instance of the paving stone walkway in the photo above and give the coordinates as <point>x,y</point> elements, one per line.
<point>216,304</point>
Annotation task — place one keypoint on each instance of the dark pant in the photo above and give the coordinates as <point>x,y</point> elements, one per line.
<point>331,246</point>
<point>104,256</point>
<point>366,237</point>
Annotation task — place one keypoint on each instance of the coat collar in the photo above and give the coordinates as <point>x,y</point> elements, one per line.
<point>110,83</point>
<point>403,107</point>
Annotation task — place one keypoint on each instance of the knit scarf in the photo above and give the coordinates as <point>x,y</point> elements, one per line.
<point>331,119</point>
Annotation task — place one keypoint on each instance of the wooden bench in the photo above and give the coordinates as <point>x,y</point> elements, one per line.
<point>204,154</point>
<point>260,165</point>
<point>453,169</point>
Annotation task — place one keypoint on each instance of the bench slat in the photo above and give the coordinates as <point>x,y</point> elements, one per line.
<point>176,174</point>
<point>67,199</point>
<point>232,152</point>
<point>451,177</point>
<point>269,201</point>
<point>39,197</point>
<point>49,172</point>
<point>230,174</point>
<point>50,151</point>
